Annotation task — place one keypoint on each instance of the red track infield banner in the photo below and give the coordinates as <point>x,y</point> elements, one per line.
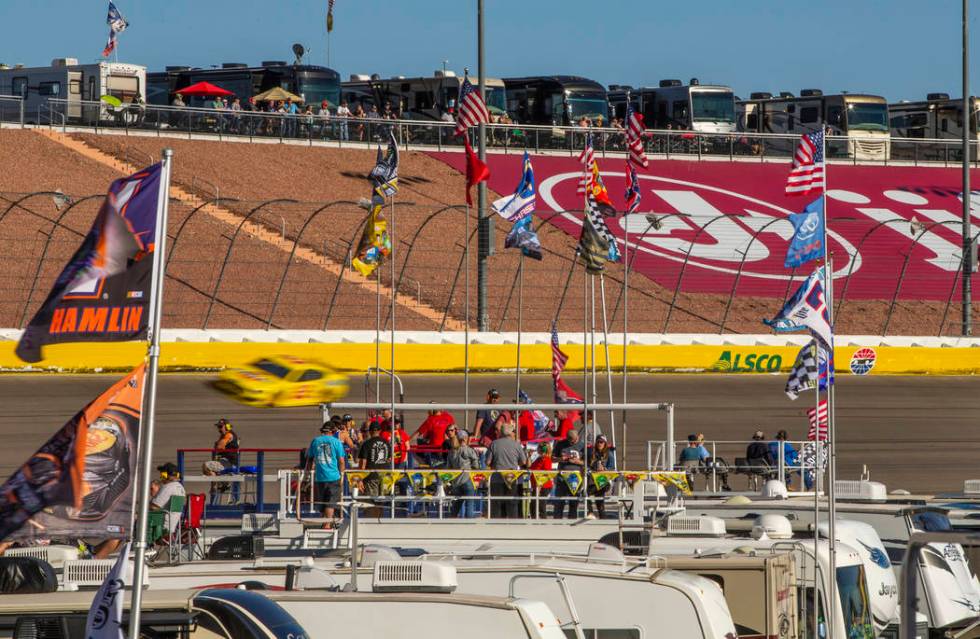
<point>893,230</point>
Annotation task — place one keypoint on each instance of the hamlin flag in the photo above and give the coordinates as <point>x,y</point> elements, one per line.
<point>519,208</point>
<point>103,293</point>
<point>807,309</point>
<point>80,482</point>
<point>807,174</point>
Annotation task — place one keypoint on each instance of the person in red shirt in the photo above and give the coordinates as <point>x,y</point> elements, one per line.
<point>432,434</point>
<point>401,446</point>
<point>564,422</point>
<point>542,462</point>
<point>526,427</point>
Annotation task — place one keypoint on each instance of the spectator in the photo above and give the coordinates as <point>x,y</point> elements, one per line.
<point>226,446</point>
<point>432,434</point>
<point>527,429</point>
<point>343,112</point>
<point>564,422</point>
<point>309,118</point>
<point>326,455</point>
<point>401,446</point>
<point>600,460</point>
<point>570,453</point>
<point>360,115</point>
<point>447,116</point>
<point>323,115</point>
<point>757,452</point>
<point>292,115</point>
<point>505,453</point>
<point>690,458</point>
<point>374,455</point>
<point>169,486</point>
<point>459,456</point>
<point>388,114</point>
<point>542,462</point>
<point>236,115</point>
<point>705,454</point>
<point>349,436</point>
<point>485,427</point>
<point>178,101</point>
<point>790,456</point>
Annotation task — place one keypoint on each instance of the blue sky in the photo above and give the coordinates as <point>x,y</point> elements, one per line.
<point>901,49</point>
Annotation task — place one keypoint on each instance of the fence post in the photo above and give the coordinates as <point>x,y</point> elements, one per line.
<point>260,481</point>
<point>180,462</point>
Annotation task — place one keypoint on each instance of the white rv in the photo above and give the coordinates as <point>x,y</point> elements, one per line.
<point>708,108</point>
<point>861,119</point>
<point>73,83</point>
<point>937,117</point>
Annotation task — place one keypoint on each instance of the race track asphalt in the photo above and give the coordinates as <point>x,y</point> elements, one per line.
<point>918,433</point>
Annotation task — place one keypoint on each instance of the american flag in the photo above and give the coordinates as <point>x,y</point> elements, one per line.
<point>807,175</point>
<point>634,137</point>
<point>563,394</point>
<point>472,110</point>
<point>587,158</point>
<point>812,413</point>
<point>632,190</point>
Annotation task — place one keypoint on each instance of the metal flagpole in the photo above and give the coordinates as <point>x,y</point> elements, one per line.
<point>150,398</point>
<point>605,344</point>
<point>585,387</point>
<point>520,327</point>
<point>831,438</point>
<point>626,314</point>
<point>394,294</point>
<point>377,336</point>
<point>466,316</point>
<point>968,118</point>
<point>817,482</point>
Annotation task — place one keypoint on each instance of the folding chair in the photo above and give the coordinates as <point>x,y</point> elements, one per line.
<point>190,526</point>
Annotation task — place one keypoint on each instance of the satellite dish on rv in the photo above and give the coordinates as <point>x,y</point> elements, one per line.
<point>298,51</point>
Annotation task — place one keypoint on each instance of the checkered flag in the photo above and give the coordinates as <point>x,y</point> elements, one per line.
<point>596,244</point>
<point>803,377</point>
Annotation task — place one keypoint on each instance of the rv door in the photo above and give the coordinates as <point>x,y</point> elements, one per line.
<point>74,95</point>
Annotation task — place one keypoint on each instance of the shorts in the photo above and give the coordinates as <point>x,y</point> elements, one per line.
<point>327,493</point>
<point>372,485</point>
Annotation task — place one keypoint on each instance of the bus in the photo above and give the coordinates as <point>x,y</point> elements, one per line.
<point>421,98</point>
<point>708,108</point>
<point>556,100</point>
<point>860,118</point>
<point>312,83</point>
<point>66,79</point>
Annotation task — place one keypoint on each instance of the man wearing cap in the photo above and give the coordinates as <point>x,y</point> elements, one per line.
<point>505,453</point>
<point>326,454</point>
<point>432,433</point>
<point>374,454</point>
<point>485,427</point>
<point>170,486</point>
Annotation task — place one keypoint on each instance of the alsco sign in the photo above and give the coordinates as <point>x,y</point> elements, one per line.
<point>730,362</point>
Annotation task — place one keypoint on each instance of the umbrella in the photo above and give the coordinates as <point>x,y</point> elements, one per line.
<point>204,89</point>
<point>277,93</point>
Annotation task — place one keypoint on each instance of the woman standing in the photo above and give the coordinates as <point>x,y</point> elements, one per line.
<point>460,456</point>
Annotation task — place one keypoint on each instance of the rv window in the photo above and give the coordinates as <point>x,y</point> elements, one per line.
<point>424,100</point>
<point>123,87</point>
<point>49,88</point>
<point>945,127</point>
<point>752,122</point>
<point>679,114</point>
<point>834,116</point>
<point>809,114</point>
<point>18,86</point>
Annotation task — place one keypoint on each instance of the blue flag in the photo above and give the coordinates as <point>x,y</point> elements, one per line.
<point>519,208</point>
<point>808,233</point>
<point>524,237</point>
<point>807,309</point>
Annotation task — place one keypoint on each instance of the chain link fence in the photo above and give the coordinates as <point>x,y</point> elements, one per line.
<point>283,264</point>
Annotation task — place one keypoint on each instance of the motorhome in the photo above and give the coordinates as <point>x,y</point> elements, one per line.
<point>421,98</point>
<point>706,108</point>
<point>936,117</point>
<point>861,119</point>
<point>556,100</point>
<point>65,79</point>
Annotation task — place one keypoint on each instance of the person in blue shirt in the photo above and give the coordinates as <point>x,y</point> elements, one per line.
<point>326,455</point>
<point>790,455</point>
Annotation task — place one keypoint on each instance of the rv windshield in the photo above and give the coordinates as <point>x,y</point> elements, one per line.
<point>852,588</point>
<point>591,104</point>
<point>496,99</point>
<point>315,90</point>
<point>713,107</point>
<point>931,521</point>
<point>867,116</point>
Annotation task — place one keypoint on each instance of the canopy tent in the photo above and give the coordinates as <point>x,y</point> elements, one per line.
<point>277,93</point>
<point>204,89</point>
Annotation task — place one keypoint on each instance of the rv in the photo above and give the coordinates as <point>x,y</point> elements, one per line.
<point>861,119</point>
<point>672,105</point>
<point>425,98</point>
<point>938,118</point>
<point>66,79</point>
<point>556,100</point>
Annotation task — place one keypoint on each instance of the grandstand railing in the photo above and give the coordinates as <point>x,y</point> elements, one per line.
<point>12,109</point>
<point>227,279</point>
<point>513,137</point>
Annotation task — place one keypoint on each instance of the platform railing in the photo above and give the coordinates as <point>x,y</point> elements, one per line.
<point>12,109</point>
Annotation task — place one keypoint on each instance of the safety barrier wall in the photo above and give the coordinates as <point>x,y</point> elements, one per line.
<point>427,352</point>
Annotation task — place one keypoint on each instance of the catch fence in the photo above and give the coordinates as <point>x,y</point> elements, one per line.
<point>287,264</point>
<point>427,134</point>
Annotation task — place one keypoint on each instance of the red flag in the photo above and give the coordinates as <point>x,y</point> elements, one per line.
<point>476,171</point>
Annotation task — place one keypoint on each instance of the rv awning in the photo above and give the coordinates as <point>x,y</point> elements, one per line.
<point>204,89</point>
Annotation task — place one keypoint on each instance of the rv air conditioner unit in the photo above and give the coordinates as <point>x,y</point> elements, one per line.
<point>670,83</point>
<point>414,576</point>
<point>760,95</point>
<point>695,526</point>
<point>694,82</point>
<point>970,487</point>
<point>359,77</point>
<point>786,94</point>
<point>604,553</point>
<point>373,553</point>
<point>772,526</point>
<point>178,67</point>
<point>810,93</point>
<point>273,63</point>
<point>863,490</point>
<point>83,573</point>
<point>64,62</point>
<point>937,96</point>
<point>234,65</point>
<point>56,556</point>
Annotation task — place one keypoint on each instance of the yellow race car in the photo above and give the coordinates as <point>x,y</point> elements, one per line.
<point>282,381</point>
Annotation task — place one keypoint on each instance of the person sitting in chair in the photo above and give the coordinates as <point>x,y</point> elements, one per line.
<point>169,486</point>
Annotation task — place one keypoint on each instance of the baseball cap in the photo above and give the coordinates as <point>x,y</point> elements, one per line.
<point>347,418</point>
<point>759,435</point>
<point>493,392</point>
<point>170,468</point>
<point>374,427</point>
<point>601,438</point>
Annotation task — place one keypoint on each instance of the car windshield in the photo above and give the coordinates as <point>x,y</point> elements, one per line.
<point>590,104</point>
<point>713,107</point>
<point>852,588</point>
<point>270,367</point>
<point>867,116</point>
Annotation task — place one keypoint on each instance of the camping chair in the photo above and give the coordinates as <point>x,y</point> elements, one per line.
<point>167,540</point>
<point>189,530</point>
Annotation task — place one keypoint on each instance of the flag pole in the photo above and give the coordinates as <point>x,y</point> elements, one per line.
<point>626,314</point>
<point>831,434</point>
<point>585,381</point>
<point>466,315</point>
<point>520,324</point>
<point>605,344</point>
<point>377,332</point>
<point>817,479</point>
<point>394,294</point>
<point>150,398</point>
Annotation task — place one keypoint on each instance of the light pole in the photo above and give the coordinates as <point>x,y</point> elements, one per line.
<point>443,99</point>
<point>485,223</point>
<point>968,128</point>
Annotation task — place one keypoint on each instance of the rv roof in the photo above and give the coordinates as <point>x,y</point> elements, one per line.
<point>81,600</point>
<point>483,601</point>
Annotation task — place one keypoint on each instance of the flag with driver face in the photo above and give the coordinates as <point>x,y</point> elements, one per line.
<point>105,616</point>
<point>117,24</point>
<point>807,309</point>
<point>808,232</point>
<point>518,208</point>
